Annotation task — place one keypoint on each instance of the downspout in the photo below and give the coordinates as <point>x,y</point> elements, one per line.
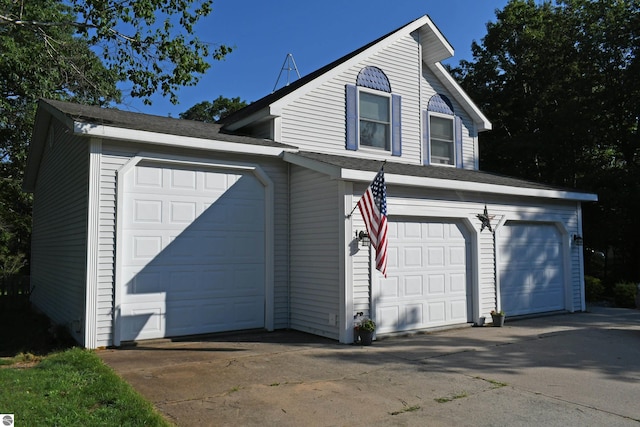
<point>289,246</point>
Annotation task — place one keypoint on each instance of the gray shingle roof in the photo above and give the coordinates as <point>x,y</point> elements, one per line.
<point>436,172</point>
<point>150,123</point>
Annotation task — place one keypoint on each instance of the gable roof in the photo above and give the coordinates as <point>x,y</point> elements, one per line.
<point>439,177</point>
<point>435,49</point>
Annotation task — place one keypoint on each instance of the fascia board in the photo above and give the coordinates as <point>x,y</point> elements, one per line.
<point>445,184</point>
<point>461,96</point>
<point>275,109</point>
<point>117,133</point>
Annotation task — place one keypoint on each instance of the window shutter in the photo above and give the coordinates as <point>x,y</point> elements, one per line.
<point>426,155</point>
<point>458,136</point>
<point>351,117</point>
<point>396,123</point>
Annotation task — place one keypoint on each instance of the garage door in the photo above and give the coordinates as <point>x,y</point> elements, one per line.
<point>192,252</point>
<point>426,284</point>
<point>530,265</point>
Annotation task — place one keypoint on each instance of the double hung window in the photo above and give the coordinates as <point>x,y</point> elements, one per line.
<point>374,120</point>
<point>442,133</point>
<point>373,114</point>
<point>442,141</point>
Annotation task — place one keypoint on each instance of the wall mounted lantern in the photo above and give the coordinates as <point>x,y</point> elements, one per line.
<point>363,238</point>
<point>578,240</point>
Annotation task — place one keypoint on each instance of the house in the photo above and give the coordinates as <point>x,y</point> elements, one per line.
<point>148,227</point>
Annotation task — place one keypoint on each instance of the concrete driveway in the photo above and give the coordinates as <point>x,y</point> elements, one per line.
<point>578,369</point>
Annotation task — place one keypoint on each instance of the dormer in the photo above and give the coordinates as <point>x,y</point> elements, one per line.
<point>389,100</point>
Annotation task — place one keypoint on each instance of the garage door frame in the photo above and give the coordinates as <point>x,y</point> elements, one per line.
<point>180,161</point>
<point>564,248</point>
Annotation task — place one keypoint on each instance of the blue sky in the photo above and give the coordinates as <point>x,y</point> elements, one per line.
<point>315,33</point>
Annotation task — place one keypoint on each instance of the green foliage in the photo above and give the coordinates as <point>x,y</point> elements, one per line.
<point>79,50</point>
<point>559,83</point>
<point>624,294</point>
<point>211,112</point>
<point>73,388</point>
<point>367,325</point>
<point>593,288</point>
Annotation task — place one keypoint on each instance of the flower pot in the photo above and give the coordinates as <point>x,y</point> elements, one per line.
<point>498,320</point>
<point>366,337</point>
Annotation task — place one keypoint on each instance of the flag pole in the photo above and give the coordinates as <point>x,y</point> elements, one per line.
<point>354,208</point>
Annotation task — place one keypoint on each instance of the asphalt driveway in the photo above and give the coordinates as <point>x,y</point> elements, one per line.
<point>578,369</point>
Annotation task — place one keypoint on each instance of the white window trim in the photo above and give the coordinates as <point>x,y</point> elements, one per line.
<point>453,142</point>
<point>390,122</point>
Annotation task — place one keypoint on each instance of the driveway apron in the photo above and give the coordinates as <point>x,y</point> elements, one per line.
<point>566,369</point>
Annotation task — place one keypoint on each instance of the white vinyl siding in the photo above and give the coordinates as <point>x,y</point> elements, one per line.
<point>59,238</point>
<point>316,120</point>
<point>361,259</point>
<point>315,252</point>
<point>110,162</point>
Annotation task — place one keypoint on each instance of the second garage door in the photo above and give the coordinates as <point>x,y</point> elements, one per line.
<point>530,266</point>
<point>427,280</point>
<point>193,257</point>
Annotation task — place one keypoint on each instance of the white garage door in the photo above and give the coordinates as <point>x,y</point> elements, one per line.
<point>530,267</point>
<point>426,284</point>
<point>192,252</point>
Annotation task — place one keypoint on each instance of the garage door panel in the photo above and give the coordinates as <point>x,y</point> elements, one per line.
<point>427,285</point>
<point>412,257</point>
<point>193,252</point>
<point>390,288</point>
<point>458,284</point>
<point>413,286</point>
<point>436,284</point>
<point>413,315</point>
<point>437,312</point>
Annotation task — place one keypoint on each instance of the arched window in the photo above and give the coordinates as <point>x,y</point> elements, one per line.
<point>443,133</point>
<point>373,113</point>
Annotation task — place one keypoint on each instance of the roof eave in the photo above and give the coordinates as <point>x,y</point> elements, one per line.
<point>162,139</point>
<point>355,175</point>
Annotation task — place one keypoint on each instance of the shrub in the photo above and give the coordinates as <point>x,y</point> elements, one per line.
<point>624,294</point>
<point>593,288</point>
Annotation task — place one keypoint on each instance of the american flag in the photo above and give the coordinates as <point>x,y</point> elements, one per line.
<point>373,208</point>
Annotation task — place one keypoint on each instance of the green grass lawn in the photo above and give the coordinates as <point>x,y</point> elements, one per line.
<point>71,388</point>
<point>45,381</point>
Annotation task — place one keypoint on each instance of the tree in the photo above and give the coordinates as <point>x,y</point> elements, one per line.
<point>79,50</point>
<point>138,41</point>
<point>211,112</point>
<point>559,82</point>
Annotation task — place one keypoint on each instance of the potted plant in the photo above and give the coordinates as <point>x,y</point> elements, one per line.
<point>498,317</point>
<point>366,329</point>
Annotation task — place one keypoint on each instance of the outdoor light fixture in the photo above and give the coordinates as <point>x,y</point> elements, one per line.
<point>363,238</point>
<point>578,240</point>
